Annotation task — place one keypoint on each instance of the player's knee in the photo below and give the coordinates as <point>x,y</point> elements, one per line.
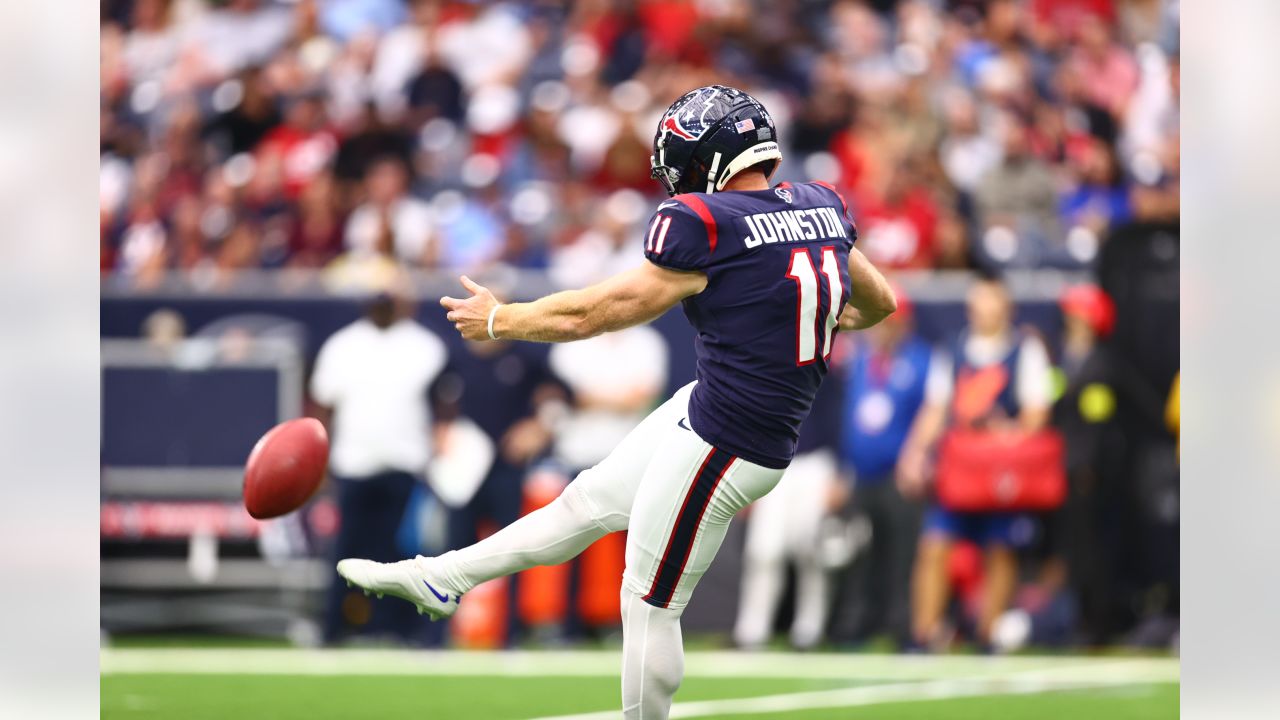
<point>658,629</point>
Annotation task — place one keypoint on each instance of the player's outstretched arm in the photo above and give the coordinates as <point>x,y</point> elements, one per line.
<point>629,298</point>
<point>871,298</point>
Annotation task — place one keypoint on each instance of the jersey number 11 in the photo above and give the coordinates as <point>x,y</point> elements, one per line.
<point>812,319</point>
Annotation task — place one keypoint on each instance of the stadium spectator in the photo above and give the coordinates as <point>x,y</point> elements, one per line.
<point>370,382</point>
<point>1106,69</point>
<point>885,389</point>
<point>968,150</point>
<point>899,229</point>
<point>998,379</point>
<point>1098,199</point>
<point>256,113</point>
<point>369,140</point>
<point>390,221</point>
<point>1017,201</point>
<point>304,145</point>
<point>164,330</point>
<point>236,34</point>
<point>435,92</point>
<point>472,231</point>
<point>315,237</point>
<point>1086,415</point>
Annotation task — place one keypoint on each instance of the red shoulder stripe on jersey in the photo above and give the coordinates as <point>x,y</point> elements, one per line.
<point>695,204</point>
<point>833,189</point>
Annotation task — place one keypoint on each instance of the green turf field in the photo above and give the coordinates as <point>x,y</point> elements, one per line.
<point>280,683</point>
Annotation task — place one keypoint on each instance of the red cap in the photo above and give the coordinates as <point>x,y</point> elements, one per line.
<point>1093,304</point>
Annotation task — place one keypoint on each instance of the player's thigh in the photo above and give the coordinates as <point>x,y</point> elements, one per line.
<point>688,495</point>
<point>609,487</point>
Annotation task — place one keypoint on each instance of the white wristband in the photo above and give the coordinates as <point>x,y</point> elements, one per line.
<point>493,313</point>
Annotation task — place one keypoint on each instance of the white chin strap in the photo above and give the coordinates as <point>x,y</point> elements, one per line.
<point>751,156</point>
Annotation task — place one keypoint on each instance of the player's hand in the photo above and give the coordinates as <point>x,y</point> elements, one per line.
<point>911,475</point>
<point>839,493</point>
<point>471,315</point>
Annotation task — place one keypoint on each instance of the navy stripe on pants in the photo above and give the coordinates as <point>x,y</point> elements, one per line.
<point>685,530</point>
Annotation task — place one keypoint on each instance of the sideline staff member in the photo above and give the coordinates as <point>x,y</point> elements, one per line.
<point>372,378</point>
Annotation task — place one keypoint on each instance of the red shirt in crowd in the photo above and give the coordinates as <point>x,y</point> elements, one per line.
<point>898,233</point>
<point>303,154</point>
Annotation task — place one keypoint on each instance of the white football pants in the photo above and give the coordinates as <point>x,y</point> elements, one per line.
<point>675,495</point>
<point>785,526</point>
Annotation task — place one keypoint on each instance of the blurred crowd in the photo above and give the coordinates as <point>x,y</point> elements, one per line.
<point>356,135</point>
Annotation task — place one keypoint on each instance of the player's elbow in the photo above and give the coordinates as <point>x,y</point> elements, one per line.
<point>879,309</point>
<point>888,305</point>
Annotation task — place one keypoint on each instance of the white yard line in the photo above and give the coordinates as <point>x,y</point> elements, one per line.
<point>1019,683</point>
<point>901,678</point>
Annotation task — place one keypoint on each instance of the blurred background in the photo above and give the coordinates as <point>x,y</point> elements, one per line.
<point>287,187</point>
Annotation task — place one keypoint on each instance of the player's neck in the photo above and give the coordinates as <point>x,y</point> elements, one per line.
<point>747,180</point>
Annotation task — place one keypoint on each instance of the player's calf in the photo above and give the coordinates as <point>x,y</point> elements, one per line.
<point>652,658</point>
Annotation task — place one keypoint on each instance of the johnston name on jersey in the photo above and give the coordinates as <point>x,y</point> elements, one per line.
<point>777,266</point>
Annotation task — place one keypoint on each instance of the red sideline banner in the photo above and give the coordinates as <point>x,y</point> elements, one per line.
<point>128,520</point>
<point>983,471</point>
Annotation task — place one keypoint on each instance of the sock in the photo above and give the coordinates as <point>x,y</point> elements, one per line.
<point>550,535</point>
<point>652,658</point>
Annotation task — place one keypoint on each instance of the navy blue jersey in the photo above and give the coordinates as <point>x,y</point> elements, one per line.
<point>777,266</point>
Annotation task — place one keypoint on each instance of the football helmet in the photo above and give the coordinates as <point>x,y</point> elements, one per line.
<point>708,136</point>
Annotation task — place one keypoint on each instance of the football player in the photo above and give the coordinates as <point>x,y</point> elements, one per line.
<point>767,275</point>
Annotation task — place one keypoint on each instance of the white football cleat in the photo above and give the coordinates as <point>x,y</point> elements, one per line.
<point>407,580</point>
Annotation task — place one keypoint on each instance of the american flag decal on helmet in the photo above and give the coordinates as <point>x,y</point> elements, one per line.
<point>745,125</point>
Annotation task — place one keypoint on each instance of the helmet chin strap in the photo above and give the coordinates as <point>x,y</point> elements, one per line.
<point>751,156</point>
<point>711,174</point>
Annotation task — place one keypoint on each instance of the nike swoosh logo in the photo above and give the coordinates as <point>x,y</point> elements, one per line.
<point>668,204</point>
<point>680,422</point>
<point>444,598</point>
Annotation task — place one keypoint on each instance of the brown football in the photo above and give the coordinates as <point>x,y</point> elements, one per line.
<point>285,468</point>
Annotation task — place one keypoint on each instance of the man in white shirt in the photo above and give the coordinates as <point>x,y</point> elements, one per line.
<point>999,379</point>
<point>372,379</point>
<point>615,379</point>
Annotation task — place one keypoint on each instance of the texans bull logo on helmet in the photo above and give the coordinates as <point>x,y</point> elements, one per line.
<point>673,124</point>
<point>708,136</point>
